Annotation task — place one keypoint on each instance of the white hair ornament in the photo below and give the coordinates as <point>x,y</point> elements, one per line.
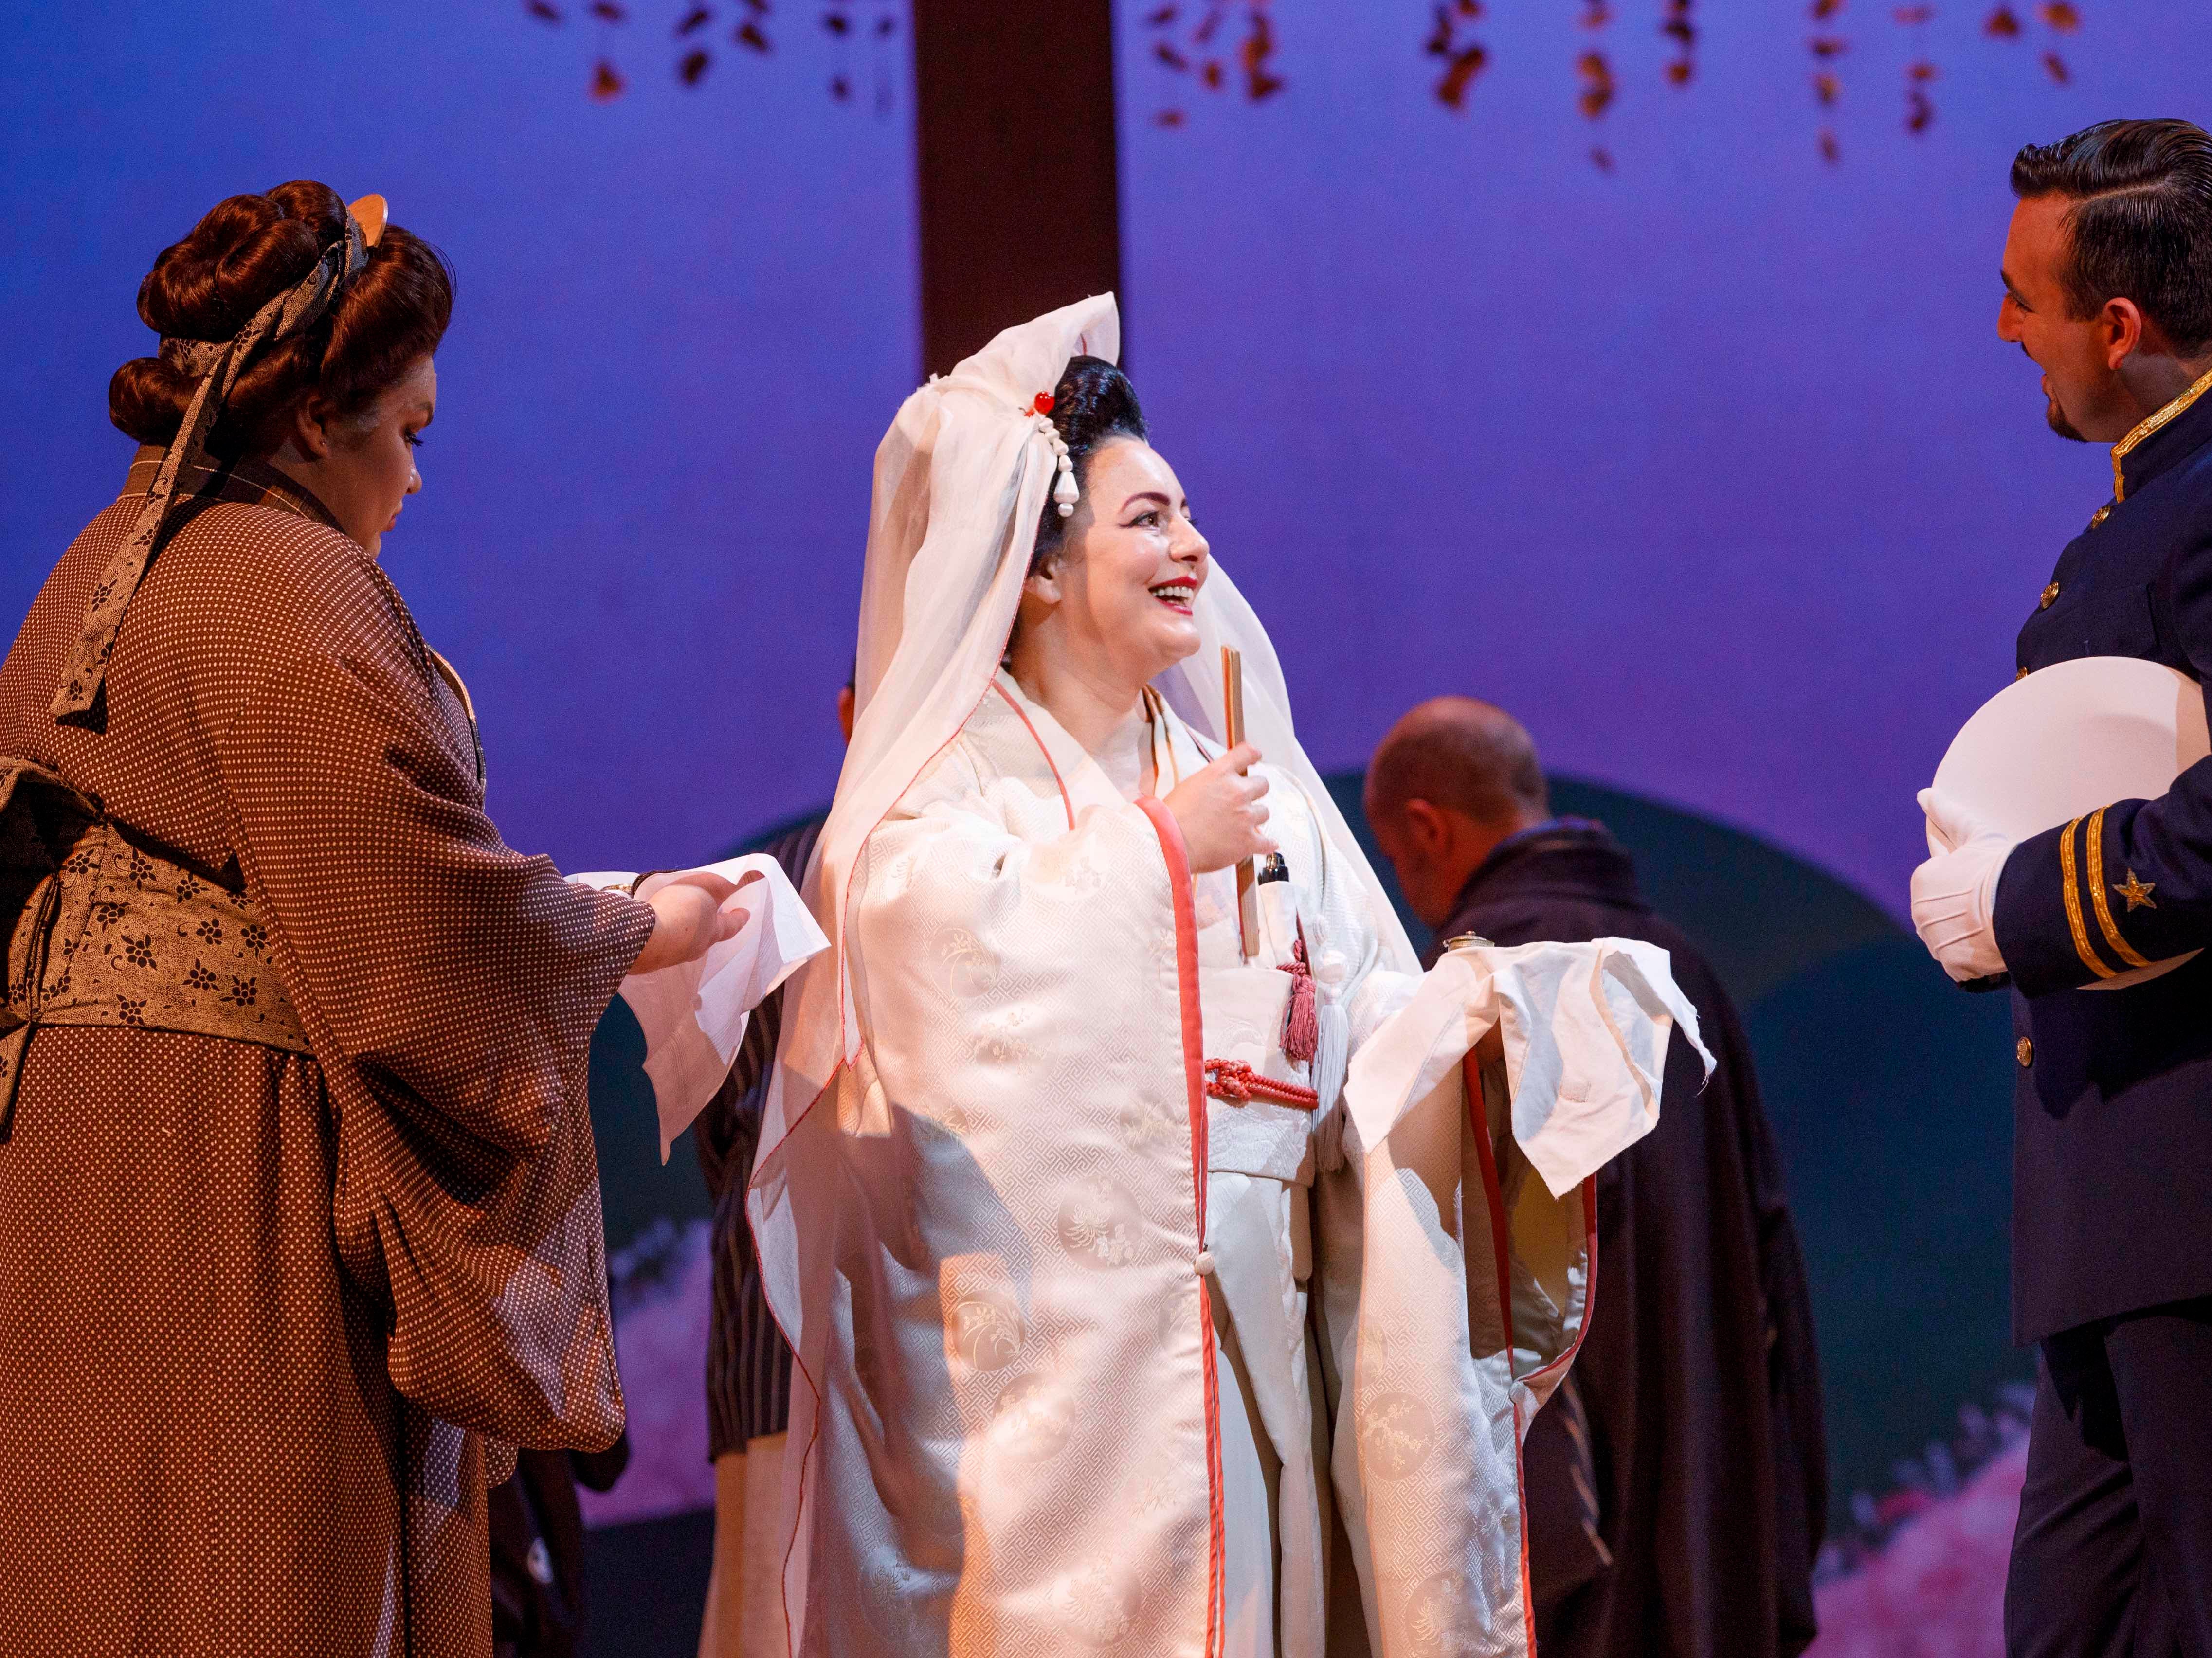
<point>1066,492</point>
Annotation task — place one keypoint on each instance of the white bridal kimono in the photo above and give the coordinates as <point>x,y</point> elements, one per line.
<point>1118,1329</point>
<point>1072,1396</point>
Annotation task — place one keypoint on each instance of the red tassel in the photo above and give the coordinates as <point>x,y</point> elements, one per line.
<point>1302,1026</point>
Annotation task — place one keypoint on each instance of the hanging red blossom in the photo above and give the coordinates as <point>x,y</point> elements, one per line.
<point>1597,92</point>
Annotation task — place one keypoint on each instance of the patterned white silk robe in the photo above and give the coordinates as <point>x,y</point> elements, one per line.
<point>1016,1429</point>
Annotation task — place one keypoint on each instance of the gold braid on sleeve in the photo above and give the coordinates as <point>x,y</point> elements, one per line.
<point>2095,879</point>
<point>2069,878</point>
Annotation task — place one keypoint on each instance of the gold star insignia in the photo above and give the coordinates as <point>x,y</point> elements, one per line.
<point>2137,893</point>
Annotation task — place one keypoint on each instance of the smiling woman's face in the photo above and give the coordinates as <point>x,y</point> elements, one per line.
<point>1127,571</point>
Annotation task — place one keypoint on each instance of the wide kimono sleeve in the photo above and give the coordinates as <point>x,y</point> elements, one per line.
<point>995,1253</point>
<point>1455,1246</point>
<point>970,868</point>
<point>995,931</point>
<point>449,986</point>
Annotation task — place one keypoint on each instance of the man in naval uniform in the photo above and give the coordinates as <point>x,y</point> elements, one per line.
<point>2108,289</point>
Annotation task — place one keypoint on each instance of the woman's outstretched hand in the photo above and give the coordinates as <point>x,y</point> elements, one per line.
<point>1219,813</point>
<point>692,914</point>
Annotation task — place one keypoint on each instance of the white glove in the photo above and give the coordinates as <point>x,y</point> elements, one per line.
<point>1955,894</point>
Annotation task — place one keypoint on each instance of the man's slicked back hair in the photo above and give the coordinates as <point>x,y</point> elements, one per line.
<point>2140,224</point>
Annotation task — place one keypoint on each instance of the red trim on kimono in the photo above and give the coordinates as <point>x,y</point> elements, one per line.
<point>1589,1282</point>
<point>1501,1244</point>
<point>798,1364</point>
<point>1193,1049</point>
<point>1066,803</point>
<point>791,1128</point>
<point>1501,1233</point>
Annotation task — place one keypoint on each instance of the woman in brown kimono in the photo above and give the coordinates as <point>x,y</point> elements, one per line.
<point>298,1211</point>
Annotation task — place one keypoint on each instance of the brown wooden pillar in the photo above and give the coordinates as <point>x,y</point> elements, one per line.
<point>1015,147</point>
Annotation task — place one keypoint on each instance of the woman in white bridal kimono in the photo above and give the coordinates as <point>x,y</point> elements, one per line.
<point>1129,1278</point>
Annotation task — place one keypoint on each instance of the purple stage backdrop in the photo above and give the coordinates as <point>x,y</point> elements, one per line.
<point>1711,466</point>
<point>684,321</point>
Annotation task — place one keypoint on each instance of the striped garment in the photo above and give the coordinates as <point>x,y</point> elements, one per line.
<point>748,1364</point>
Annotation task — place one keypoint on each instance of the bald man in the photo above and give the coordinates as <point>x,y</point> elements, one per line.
<point>1677,1484</point>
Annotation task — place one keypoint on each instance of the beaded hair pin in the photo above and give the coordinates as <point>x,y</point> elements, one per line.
<point>1065,492</point>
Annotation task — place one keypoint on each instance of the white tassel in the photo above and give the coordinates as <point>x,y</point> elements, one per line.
<point>1331,1062</point>
<point>1066,492</point>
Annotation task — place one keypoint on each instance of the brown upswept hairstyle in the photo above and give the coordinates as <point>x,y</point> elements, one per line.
<point>244,253</point>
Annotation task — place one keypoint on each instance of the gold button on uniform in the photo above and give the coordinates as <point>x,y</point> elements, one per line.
<point>2049,597</point>
<point>2024,1050</point>
<point>2022,674</point>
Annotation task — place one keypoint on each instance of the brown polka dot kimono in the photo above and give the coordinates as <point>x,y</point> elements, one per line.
<point>260,1311</point>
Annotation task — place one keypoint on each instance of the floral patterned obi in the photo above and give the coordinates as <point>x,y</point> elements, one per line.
<point>104,931</point>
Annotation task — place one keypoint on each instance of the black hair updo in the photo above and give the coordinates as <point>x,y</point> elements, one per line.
<point>1093,404</point>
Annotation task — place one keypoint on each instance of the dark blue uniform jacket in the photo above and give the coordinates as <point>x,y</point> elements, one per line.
<point>2113,1139</point>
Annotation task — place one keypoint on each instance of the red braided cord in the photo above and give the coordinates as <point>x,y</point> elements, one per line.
<point>1238,1083</point>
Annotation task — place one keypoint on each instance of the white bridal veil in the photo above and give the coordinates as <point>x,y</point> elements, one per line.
<point>960,480</point>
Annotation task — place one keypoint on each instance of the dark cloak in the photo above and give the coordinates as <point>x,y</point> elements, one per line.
<point>1677,1488</point>
<point>537,1527</point>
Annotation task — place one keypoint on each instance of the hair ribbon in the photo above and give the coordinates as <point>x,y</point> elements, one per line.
<point>79,701</point>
